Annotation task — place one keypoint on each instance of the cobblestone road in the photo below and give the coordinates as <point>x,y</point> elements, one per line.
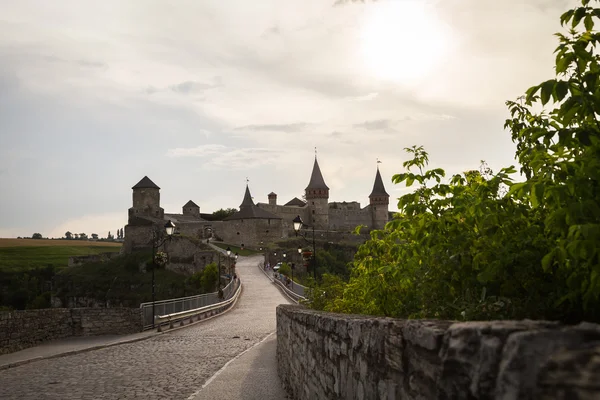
<point>168,366</point>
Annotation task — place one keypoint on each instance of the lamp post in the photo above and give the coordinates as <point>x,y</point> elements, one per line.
<point>300,254</point>
<point>169,229</point>
<point>298,223</point>
<point>228,260</point>
<point>235,262</point>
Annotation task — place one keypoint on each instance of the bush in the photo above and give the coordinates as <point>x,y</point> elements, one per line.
<point>483,247</point>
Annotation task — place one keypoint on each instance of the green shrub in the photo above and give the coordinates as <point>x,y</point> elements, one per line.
<point>483,247</point>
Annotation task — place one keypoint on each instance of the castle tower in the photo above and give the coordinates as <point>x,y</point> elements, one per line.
<point>272,199</point>
<point>192,209</point>
<point>317,197</point>
<point>379,200</point>
<point>146,200</point>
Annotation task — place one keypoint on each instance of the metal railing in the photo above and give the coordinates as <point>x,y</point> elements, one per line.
<point>200,313</point>
<point>172,306</point>
<point>291,285</point>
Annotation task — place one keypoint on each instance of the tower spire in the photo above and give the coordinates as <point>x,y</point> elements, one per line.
<point>316,178</point>
<point>378,191</point>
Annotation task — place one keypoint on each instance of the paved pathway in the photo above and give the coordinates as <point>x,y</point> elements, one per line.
<point>174,365</point>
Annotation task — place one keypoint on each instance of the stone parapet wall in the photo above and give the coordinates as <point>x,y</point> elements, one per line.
<point>337,356</point>
<point>26,328</point>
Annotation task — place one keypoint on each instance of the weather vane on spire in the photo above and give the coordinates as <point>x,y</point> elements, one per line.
<point>247,180</point>
<point>378,162</point>
<point>315,151</point>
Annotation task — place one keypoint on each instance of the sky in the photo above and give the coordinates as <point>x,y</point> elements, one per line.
<point>202,95</point>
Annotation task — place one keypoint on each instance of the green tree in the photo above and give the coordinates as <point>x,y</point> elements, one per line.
<point>559,151</point>
<point>285,269</point>
<point>221,214</point>
<point>68,235</point>
<point>95,236</point>
<point>36,236</point>
<point>210,278</point>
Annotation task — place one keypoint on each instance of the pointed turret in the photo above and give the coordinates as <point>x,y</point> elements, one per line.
<point>249,210</point>
<point>378,194</point>
<point>317,198</point>
<point>247,202</point>
<point>316,178</point>
<point>379,200</point>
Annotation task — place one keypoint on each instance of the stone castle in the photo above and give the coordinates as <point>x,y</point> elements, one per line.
<point>257,223</point>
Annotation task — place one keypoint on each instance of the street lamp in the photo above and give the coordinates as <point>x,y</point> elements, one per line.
<point>298,224</point>
<point>169,229</point>
<point>228,250</point>
<point>235,262</point>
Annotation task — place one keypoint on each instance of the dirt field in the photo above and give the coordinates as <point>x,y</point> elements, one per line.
<point>50,242</point>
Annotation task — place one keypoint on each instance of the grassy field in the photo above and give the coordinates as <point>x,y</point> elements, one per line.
<point>235,249</point>
<point>27,254</point>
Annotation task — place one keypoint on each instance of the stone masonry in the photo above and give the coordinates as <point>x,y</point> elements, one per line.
<point>337,356</point>
<point>26,328</point>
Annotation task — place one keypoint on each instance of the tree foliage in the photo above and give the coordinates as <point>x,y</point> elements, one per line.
<point>221,214</point>
<point>468,248</point>
<point>37,236</point>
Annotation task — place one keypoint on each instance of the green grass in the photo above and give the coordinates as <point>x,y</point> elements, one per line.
<point>234,249</point>
<point>25,258</point>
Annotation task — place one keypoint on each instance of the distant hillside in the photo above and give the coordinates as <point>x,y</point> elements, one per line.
<point>28,254</point>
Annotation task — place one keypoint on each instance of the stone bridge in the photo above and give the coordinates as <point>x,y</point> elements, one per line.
<point>261,349</point>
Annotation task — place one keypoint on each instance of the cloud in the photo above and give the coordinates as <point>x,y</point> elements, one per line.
<point>380,124</point>
<point>199,151</point>
<point>367,97</point>
<point>189,87</point>
<point>344,2</point>
<point>294,127</point>
<point>220,156</point>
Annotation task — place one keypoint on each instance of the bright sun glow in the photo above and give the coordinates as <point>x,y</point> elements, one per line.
<point>402,40</point>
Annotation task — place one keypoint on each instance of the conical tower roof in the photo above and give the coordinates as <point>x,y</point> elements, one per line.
<point>316,178</point>
<point>248,210</point>
<point>247,202</point>
<point>145,183</point>
<point>378,188</point>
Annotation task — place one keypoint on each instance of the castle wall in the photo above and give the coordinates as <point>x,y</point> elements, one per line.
<point>345,205</point>
<point>137,238</point>
<point>340,219</point>
<point>194,229</point>
<point>287,213</point>
<point>251,232</point>
<point>187,256</point>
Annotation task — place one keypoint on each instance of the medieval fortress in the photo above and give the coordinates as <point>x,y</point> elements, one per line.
<point>257,223</point>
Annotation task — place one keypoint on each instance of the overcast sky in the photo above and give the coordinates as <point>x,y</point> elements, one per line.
<point>199,95</point>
